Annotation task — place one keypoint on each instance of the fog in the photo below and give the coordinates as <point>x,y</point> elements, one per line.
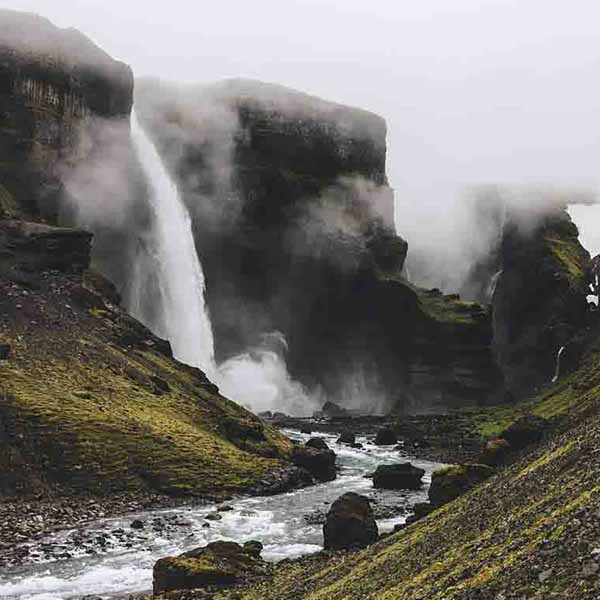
<point>474,91</point>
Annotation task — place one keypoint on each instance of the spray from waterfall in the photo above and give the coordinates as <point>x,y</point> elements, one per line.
<point>258,378</point>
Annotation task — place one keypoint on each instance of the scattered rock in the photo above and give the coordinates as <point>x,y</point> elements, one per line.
<point>450,482</point>
<point>318,443</point>
<point>214,516</point>
<point>218,564</point>
<point>137,524</point>
<point>350,523</point>
<point>347,437</point>
<point>385,437</point>
<point>319,463</point>
<point>330,410</point>
<point>401,476</point>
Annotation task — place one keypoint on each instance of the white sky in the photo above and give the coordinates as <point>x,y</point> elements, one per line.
<point>495,91</point>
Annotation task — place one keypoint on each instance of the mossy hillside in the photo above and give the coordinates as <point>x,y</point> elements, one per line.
<point>88,401</point>
<point>571,394</point>
<point>538,514</point>
<point>450,309</point>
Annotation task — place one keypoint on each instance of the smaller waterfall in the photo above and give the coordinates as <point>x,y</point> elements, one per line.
<point>493,284</point>
<point>557,368</point>
<point>183,317</point>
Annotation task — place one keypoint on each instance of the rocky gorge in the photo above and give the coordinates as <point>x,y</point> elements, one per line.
<point>115,455</point>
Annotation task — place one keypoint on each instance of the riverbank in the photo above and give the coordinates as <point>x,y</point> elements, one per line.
<point>289,526</point>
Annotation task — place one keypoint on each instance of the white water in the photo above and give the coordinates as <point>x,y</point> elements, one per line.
<point>557,368</point>
<point>276,521</point>
<point>258,379</point>
<point>184,319</point>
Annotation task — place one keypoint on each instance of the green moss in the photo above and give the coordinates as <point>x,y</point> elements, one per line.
<point>571,257</point>
<point>449,308</point>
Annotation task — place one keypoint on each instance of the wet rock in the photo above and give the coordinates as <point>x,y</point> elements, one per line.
<point>137,524</point>
<point>306,430</point>
<point>319,463</point>
<point>253,547</point>
<point>215,516</point>
<point>385,437</point>
<point>318,443</point>
<point>347,437</point>
<point>356,445</point>
<point>331,410</point>
<point>528,429</point>
<point>421,510</point>
<point>225,508</point>
<point>450,482</point>
<point>401,476</point>
<point>349,523</point>
<point>218,564</point>
<point>495,453</point>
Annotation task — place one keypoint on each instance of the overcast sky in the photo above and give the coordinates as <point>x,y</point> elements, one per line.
<point>472,90</point>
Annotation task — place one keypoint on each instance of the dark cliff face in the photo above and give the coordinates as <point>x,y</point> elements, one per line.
<point>539,304</point>
<point>53,84</point>
<point>293,220</point>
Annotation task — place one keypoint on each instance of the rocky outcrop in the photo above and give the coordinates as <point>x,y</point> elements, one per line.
<point>540,303</point>
<point>220,564</point>
<point>349,523</point>
<point>403,476</point>
<point>53,84</point>
<point>451,482</point>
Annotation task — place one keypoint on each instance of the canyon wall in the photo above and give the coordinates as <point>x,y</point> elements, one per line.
<point>293,219</point>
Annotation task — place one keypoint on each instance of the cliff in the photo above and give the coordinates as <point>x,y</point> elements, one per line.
<point>293,220</point>
<point>53,84</point>
<point>540,300</point>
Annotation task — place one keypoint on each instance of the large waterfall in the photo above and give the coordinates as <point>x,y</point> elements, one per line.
<point>258,378</point>
<point>182,315</point>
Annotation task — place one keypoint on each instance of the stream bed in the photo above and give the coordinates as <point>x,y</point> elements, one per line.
<point>110,558</point>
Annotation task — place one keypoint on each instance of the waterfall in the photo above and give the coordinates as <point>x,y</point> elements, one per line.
<point>182,315</point>
<point>257,378</point>
<point>557,368</point>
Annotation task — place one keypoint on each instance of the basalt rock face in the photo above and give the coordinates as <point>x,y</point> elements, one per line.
<point>539,304</point>
<point>53,84</point>
<point>293,220</point>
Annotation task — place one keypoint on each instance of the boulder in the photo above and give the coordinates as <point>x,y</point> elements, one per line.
<point>137,524</point>
<point>319,463</point>
<point>349,523</point>
<point>219,564</point>
<point>347,437</point>
<point>401,476</point>
<point>331,410</point>
<point>450,482</point>
<point>495,453</point>
<point>528,429</point>
<point>385,437</point>
<point>317,443</point>
<point>306,430</point>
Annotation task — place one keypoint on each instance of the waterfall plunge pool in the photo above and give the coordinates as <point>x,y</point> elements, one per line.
<point>288,525</point>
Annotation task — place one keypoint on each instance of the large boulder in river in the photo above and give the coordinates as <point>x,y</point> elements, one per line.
<point>347,437</point>
<point>319,463</point>
<point>349,523</point>
<point>386,437</point>
<point>219,564</point>
<point>402,476</point>
<point>450,482</point>
<point>317,443</point>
